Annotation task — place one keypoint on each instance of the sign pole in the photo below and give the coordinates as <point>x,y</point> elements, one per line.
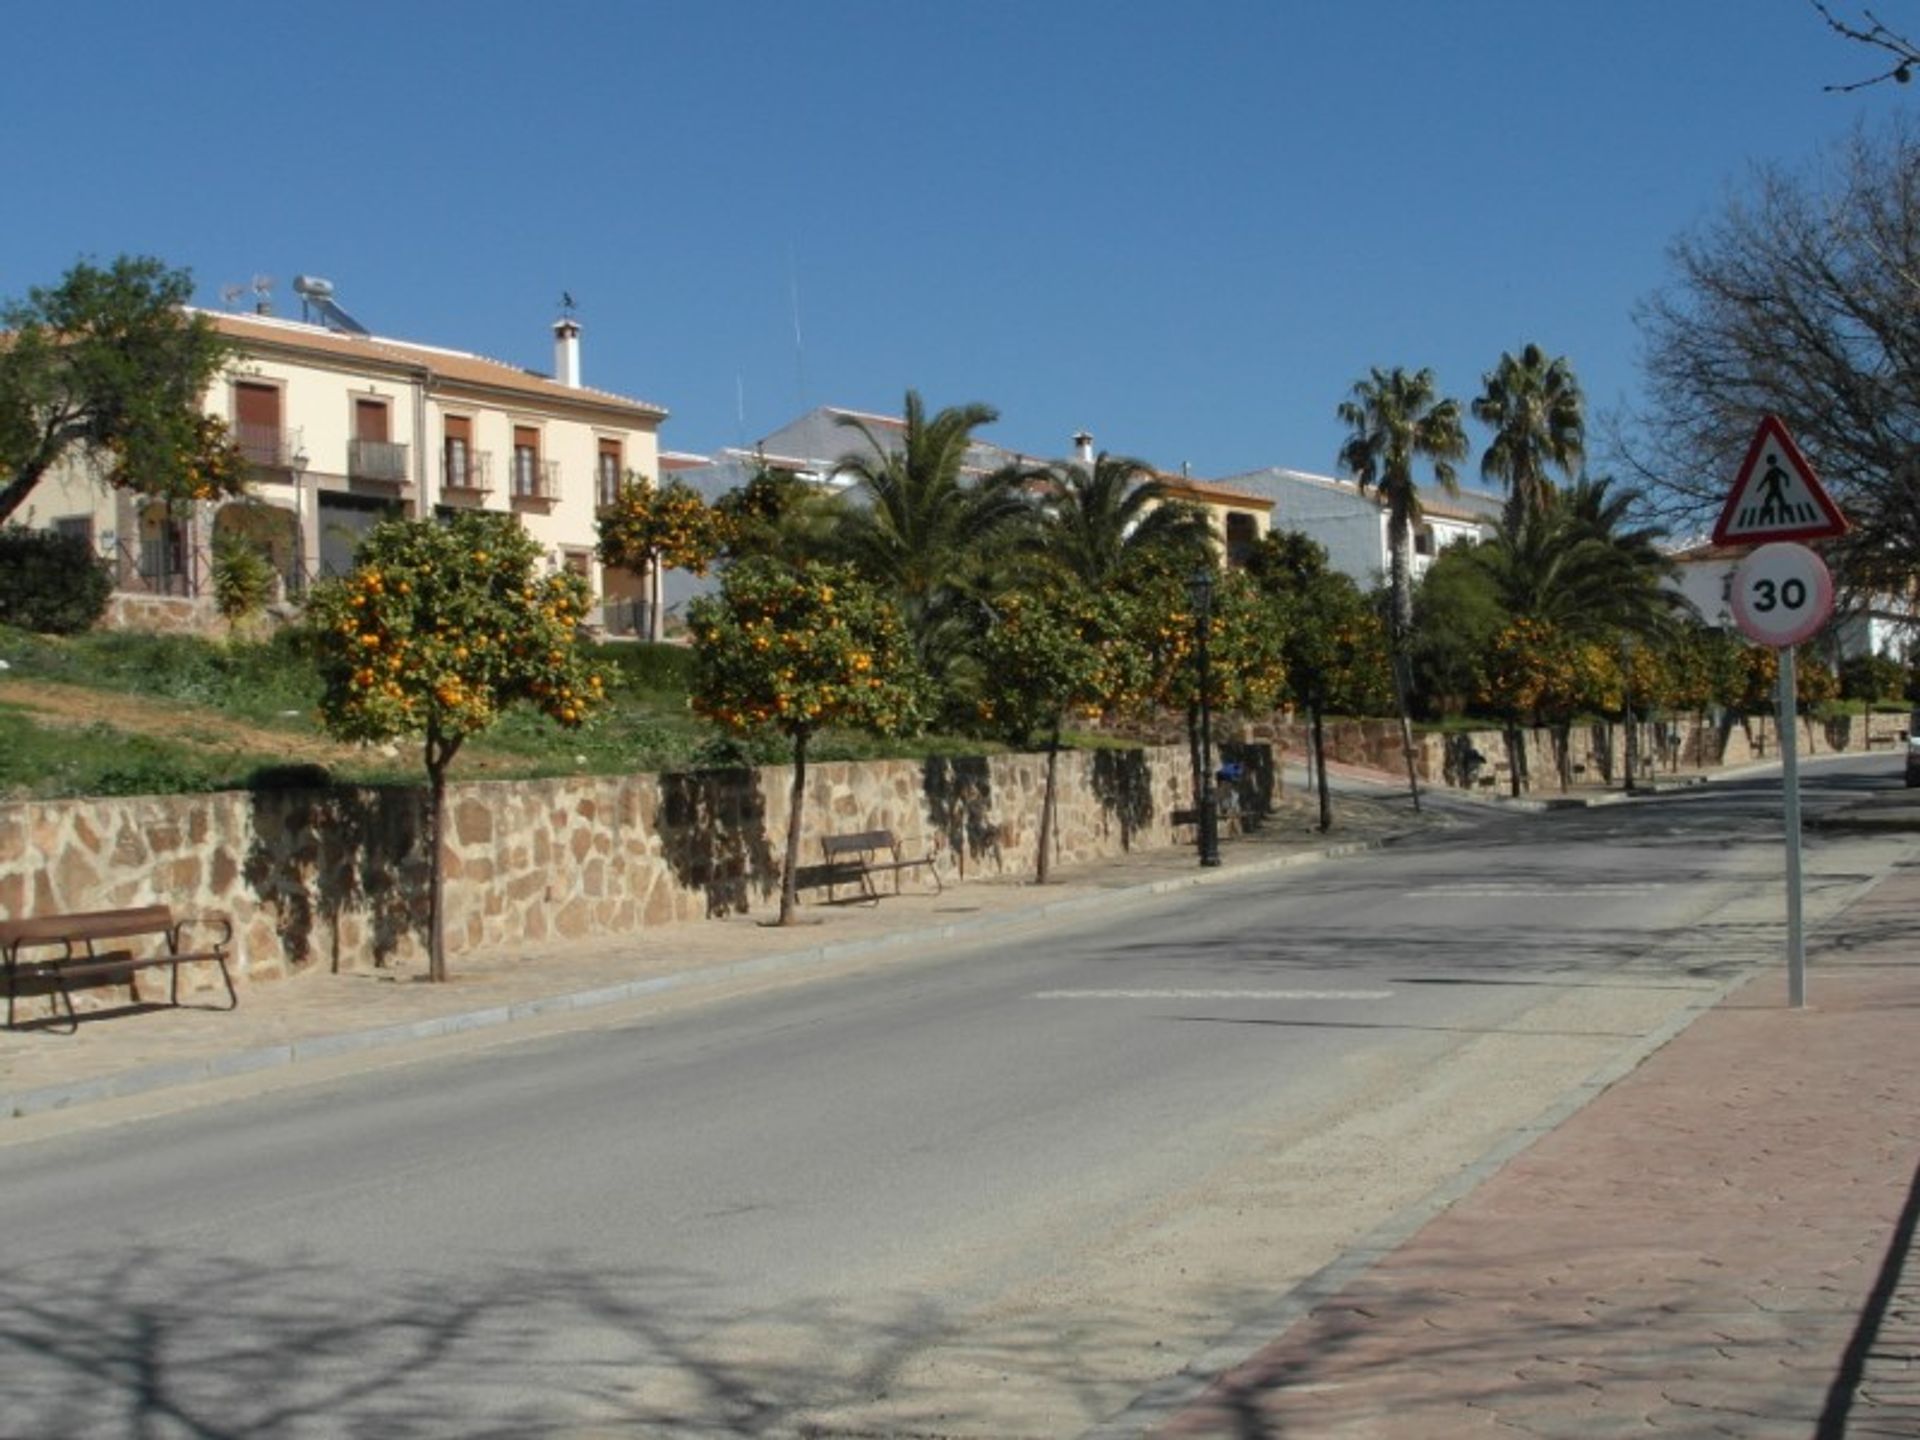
<point>1790,783</point>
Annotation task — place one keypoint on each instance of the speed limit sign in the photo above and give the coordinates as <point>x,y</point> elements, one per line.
<point>1782,594</point>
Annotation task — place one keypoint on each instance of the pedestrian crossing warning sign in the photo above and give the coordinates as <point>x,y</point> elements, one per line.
<point>1776,496</point>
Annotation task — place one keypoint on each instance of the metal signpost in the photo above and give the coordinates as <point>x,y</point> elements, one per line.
<point>1782,595</point>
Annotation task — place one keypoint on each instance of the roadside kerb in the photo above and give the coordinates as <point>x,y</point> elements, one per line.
<point>168,1074</point>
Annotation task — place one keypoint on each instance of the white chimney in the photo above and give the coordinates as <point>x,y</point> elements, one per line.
<point>566,351</point>
<point>1083,447</point>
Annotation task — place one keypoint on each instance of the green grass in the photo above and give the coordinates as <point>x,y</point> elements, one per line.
<point>41,763</point>
<point>646,725</point>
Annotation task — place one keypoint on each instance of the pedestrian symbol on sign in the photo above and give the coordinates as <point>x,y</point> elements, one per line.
<point>1777,496</point>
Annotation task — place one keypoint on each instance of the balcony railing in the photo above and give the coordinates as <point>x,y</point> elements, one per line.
<point>377,460</point>
<point>467,472</point>
<point>535,480</point>
<point>268,446</point>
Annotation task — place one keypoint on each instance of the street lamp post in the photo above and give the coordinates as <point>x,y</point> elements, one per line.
<point>1200,591</point>
<point>1627,746</point>
<point>297,463</point>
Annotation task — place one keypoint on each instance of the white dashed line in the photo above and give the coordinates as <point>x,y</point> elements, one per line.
<point>1213,995</point>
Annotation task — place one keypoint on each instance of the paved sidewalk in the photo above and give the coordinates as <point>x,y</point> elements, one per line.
<point>1719,1245</point>
<point>319,1016</point>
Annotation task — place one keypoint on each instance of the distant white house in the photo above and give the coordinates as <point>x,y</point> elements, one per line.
<point>1876,625</point>
<point>1352,525</point>
<point>812,447</point>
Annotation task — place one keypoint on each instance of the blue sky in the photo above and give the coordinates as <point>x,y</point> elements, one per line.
<point>1186,227</point>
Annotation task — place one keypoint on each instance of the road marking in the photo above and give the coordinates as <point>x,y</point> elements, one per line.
<point>1554,892</point>
<point>1213,995</point>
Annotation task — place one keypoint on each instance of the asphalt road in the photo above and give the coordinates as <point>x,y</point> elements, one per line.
<point>994,1192</point>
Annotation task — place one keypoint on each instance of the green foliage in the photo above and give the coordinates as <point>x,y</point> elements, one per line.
<point>1395,420</point>
<point>243,578</point>
<point>662,671</point>
<point>1872,678</point>
<point>669,525</point>
<point>443,625</point>
<point>778,515</point>
<point>1457,614</point>
<point>1538,417</point>
<point>109,359</point>
<point>796,648</point>
<point>51,583</point>
<point>928,535</point>
<point>1103,522</point>
<point>1053,652</point>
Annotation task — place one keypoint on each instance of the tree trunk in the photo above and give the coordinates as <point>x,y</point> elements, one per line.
<point>1042,867</point>
<point>1513,760</point>
<point>1563,753</point>
<point>1320,766</point>
<point>1400,688</point>
<point>790,867</point>
<point>439,755</point>
<point>1193,748</point>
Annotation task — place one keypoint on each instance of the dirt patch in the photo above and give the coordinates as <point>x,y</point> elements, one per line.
<point>200,727</point>
<point>59,706</point>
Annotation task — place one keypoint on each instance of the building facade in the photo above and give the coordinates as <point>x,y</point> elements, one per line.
<point>341,429</point>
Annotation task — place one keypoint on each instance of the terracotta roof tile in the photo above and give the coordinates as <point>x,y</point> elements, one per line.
<point>457,366</point>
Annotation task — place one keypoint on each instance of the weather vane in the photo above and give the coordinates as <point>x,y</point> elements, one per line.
<point>566,303</point>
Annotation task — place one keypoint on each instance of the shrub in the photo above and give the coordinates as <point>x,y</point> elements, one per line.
<point>49,583</point>
<point>1871,677</point>
<point>243,578</point>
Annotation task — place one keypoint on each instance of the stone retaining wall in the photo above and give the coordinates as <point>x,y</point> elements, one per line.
<point>337,877</point>
<point>1596,753</point>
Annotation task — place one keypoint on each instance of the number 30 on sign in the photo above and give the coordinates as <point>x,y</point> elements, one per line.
<point>1782,595</point>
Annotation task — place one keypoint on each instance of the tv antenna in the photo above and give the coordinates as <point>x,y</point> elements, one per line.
<point>230,295</point>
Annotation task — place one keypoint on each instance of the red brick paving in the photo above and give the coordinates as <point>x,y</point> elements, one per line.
<point>1691,1254</point>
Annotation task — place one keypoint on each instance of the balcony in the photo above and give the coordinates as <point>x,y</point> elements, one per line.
<point>270,447</point>
<point>536,483</point>
<point>377,460</point>
<point>466,475</point>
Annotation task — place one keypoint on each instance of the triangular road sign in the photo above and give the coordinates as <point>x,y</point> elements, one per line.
<point>1776,496</point>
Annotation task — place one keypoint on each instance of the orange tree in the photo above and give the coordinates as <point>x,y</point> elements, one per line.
<point>795,648</point>
<point>1246,661</point>
<point>440,627</point>
<point>649,527</point>
<point>1051,651</point>
<point>1515,679</point>
<point>1333,644</point>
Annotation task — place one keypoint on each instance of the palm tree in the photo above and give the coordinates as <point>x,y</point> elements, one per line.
<point>1538,417</point>
<point>1104,516</point>
<point>1396,419</point>
<point>1579,565</point>
<point>927,528</point>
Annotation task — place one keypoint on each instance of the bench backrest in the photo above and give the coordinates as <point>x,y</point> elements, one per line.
<point>96,925</point>
<point>863,842</point>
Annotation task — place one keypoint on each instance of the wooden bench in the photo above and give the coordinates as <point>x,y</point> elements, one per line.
<point>854,859</point>
<point>58,949</point>
<point>1226,822</point>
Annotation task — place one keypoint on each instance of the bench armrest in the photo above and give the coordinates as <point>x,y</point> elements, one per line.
<point>186,922</point>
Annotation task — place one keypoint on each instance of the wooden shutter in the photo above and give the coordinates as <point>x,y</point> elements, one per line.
<point>370,420</point>
<point>256,405</point>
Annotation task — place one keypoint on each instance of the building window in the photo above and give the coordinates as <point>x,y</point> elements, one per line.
<point>1423,540</point>
<point>526,460</point>
<point>608,475</point>
<point>372,455</point>
<point>257,424</point>
<point>1242,534</point>
<point>458,445</point>
<point>80,527</point>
